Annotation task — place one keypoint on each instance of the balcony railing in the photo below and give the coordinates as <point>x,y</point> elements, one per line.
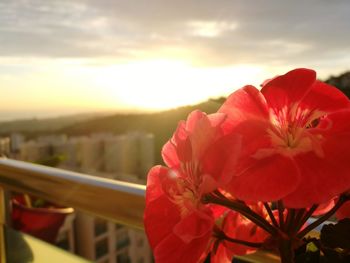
<point>112,200</point>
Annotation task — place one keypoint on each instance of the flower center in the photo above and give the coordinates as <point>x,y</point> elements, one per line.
<point>186,191</point>
<point>290,130</point>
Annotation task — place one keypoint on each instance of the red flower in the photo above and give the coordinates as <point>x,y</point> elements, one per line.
<point>324,208</point>
<point>296,140</point>
<point>344,211</point>
<point>238,227</point>
<point>200,157</point>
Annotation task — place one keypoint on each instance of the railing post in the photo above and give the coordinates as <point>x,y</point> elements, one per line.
<point>3,219</point>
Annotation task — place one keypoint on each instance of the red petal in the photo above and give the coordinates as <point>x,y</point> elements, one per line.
<point>159,219</point>
<point>221,157</point>
<point>334,125</point>
<point>180,134</point>
<point>267,179</point>
<point>238,227</point>
<point>193,226</point>
<point>174,250</point>
<point>325,178</point>
<point>216,119</point>
<point>324,208</point>
<point>344,211</point>
<point>244,104</point>
<point>202,132</point>
<point>222,255</point>
<point>184,150</point>
<point>321,179</point>
<point>193,118</point>
<point>325,98</point>
<point>169,155</point>
<point>289,88</point>
<point>154,187</point>
<point>201,138</point>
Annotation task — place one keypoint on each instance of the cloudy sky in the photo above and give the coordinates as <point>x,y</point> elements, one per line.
<point>59,57</point>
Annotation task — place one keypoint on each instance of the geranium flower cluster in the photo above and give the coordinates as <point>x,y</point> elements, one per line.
<point>251,175</point>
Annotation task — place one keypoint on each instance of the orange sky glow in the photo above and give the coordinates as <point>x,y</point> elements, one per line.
<point>62,57</point>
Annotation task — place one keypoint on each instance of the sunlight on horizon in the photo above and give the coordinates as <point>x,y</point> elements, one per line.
<point>140,86</point>
<point>162,84</point>
<point>95,56</point>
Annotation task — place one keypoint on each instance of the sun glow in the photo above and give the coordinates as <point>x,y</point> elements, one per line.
<point>146,85</point>
<point>163,84</point>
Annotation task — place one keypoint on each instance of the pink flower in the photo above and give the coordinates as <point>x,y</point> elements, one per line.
<point>200,157</point>
<point>295,140</point>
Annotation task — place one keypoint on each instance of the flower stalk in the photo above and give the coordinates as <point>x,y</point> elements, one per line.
<point>323,218</point>
<point>243,210</point>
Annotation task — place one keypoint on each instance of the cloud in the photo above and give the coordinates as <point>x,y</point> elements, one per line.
<point>207,32</point>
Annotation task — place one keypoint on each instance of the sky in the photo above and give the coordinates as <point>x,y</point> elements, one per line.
<point>69,56</point>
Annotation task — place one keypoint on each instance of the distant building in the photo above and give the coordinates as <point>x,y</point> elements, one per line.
<point>33,151</point>
<point>91,155</point>
<point>131,153</point>
<point>16,140</point>
<point>146,155</point>
<point>105,242</point>
<point>5,146</point>
<point>126,157</point>
<point>69,152</point>
<point>52,139</point>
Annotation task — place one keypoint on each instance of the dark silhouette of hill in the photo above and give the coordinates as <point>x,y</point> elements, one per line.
<point>342,82</point>
<point>161,124</point>
<point>45,125</point>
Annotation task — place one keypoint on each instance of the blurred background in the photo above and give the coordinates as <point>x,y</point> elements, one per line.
<point>98,86</point>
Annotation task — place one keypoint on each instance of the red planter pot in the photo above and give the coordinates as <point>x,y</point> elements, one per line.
<point>43,223</point>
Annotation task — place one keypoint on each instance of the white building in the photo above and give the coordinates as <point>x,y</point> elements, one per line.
<point>146,155</point>
<point>92,156</point>
<point>105,242</point>
<point>71,152</point>
<point>52,139</point>
<point>5,146</point>
<point>33,151</point>
<point>16,140</point>
<point>131,153</point>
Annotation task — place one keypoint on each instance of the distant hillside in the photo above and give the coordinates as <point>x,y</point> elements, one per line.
<point>46,125</point>
<point>161,124</point>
